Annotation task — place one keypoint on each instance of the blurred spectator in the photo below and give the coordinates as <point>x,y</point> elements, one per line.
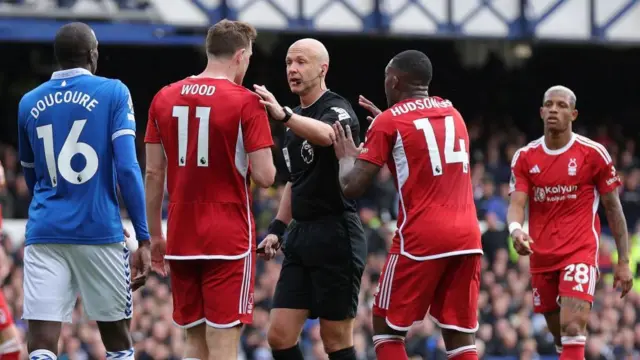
<point>492,202</point>
<point>630,198</point>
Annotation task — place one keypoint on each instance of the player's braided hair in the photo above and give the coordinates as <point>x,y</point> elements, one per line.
<point>226,37</point>
<point>416,65</point>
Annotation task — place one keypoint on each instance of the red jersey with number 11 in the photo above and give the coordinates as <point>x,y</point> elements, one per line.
<point>425,144</point>
<point>207,128</point>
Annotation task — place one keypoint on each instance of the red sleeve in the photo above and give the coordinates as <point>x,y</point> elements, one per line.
<point>519,179</point>
<point>152,135</point>
<point>256,132</point>
<point>605,175</point>
<point>379,140</point>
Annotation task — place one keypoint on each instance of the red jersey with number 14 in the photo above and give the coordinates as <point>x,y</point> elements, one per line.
<point>207,128</point>
<point>425,144</point>
<point>564,188</point>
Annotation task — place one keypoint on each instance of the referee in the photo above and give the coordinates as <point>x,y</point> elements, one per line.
<point>325,250</point>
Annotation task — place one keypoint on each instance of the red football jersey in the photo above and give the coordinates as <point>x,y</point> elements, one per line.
<point>6,319</point>
<point>564,188</point>
<point>207,128</point>
<point>425,144</point>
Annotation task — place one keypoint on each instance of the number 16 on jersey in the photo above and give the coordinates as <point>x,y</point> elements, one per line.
<point>70,148</point>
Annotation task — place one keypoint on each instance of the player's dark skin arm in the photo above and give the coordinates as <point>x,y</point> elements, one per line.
<point>622,278</point>
<point>517,204</point>
<point>574,313</point>
<point>356,176</point>
<point>618,224</point>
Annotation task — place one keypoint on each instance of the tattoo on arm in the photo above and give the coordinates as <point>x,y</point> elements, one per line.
<point>617,223</point>
<point>357,178</point>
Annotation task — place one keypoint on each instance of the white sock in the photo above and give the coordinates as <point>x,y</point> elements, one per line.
<point>559,349</point>
<point>42,354</point>
<point>122,355</point>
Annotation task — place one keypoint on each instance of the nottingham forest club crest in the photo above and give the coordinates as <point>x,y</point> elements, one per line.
<point>572,168</point>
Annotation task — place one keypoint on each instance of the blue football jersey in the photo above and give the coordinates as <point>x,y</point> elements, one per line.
<point>66,129</point>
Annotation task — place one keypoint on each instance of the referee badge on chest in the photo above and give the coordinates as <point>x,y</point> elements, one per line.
<point>573,167</point>
<point>306,152</point>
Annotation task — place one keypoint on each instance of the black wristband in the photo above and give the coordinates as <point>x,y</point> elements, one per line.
<point>278,228</point>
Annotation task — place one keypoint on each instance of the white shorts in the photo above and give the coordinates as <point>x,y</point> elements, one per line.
<point>55,274</point>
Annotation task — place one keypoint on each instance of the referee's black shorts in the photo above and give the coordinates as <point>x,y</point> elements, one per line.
<point>323,265</point>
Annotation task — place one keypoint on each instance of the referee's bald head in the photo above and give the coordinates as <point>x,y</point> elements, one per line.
<point>75,45</point>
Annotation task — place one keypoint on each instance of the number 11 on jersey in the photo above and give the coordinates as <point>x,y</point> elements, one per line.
<point>182,114</point>
<point>450,156</point>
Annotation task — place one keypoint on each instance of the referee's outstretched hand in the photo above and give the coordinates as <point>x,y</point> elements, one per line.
<point>369,106</point>
<point>270,102</point>
<point>268,247</point>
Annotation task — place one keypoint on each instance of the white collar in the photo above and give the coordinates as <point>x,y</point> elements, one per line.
<point>64,74</point>
<point>562,149</point>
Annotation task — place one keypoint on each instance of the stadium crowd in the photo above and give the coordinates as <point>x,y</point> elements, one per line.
<point>508,327</point>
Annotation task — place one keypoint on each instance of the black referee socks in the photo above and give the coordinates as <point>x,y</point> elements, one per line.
<point>292,353</point>
<point>344,354</point>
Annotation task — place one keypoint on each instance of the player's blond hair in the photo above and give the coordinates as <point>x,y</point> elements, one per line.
<point>226,37</point>
<point>561,89</point>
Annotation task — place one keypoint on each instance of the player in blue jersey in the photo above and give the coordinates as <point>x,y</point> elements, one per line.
<point>77,142</point>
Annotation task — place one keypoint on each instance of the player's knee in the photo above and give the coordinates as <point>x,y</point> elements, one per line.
<point>222,343</point>
<point>115,335</point>
<point>281,337</point>
<point>380,327</point>
<point>456,339</point>
<point>196,342</point>
<point>43,336</point>
<point>573,328</point>
<point>336,335</point>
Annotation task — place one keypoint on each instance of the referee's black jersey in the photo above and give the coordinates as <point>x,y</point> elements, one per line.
<point>313,169</point>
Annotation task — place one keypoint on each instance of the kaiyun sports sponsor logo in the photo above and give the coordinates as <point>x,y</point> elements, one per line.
<point>555,193</point>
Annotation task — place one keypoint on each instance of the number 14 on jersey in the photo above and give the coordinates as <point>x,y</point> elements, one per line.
<point>450,155</point>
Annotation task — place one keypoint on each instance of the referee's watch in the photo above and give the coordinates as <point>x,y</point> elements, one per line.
<point>287,114</point>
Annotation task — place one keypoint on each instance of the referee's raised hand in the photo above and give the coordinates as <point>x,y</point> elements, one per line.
<point>270,102</point>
